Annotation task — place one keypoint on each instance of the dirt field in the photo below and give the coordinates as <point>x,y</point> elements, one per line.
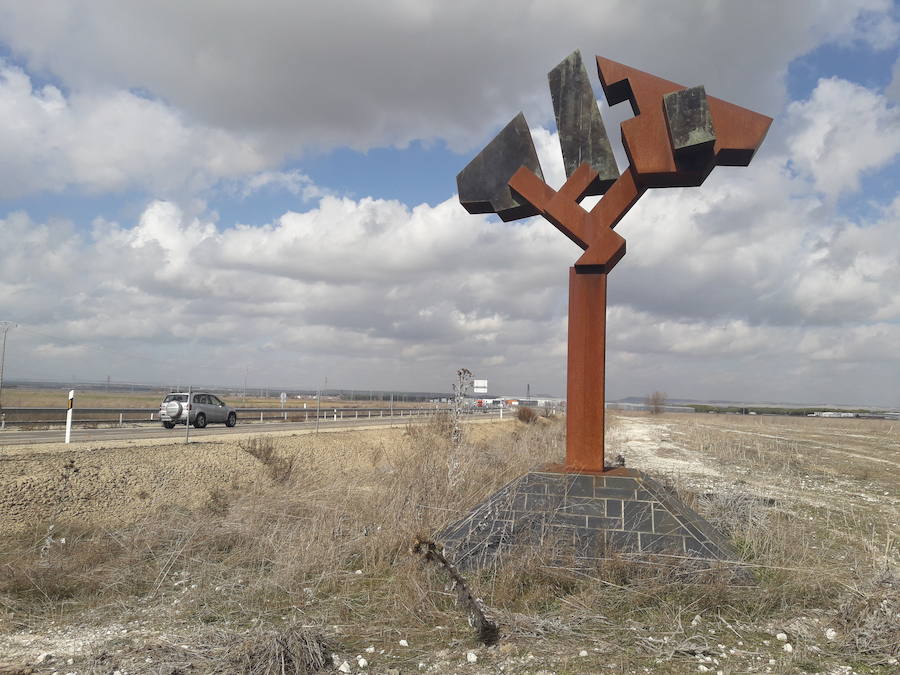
<point>149,558</point>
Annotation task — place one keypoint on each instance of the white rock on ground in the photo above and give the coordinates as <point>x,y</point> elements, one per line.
<point>471,657</point>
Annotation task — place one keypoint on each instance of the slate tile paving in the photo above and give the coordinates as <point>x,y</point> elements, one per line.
<point>585,515</point>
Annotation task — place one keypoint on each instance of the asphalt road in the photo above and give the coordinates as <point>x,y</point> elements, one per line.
<point>12,436</point>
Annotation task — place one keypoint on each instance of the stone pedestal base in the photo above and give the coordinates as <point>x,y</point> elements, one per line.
<point>582,516</point>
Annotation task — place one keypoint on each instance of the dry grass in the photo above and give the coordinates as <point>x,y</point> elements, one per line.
<point>319,553</point>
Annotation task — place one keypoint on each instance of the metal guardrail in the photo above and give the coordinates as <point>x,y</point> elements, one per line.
<point>13,416</point>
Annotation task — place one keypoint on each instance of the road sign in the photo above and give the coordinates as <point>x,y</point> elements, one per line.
<point>479,386</point>
<point>283,399</point>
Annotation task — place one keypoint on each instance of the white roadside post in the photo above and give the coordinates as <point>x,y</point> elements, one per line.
<point>187,420</point>
<point>69,415</point>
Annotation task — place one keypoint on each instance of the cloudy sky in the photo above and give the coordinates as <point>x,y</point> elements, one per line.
<point>215,190</point>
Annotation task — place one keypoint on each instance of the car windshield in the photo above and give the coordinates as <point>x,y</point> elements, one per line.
<point>176,397</point>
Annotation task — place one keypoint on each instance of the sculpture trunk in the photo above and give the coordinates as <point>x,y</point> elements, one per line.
<point>586,371</point>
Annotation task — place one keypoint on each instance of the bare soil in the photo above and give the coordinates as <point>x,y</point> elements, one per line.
<point>116,483</point>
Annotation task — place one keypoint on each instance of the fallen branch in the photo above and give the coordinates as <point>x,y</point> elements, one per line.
<point>488,631</point>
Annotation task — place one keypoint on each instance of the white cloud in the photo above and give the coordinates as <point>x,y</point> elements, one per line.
<point>841,132</point>
<point>752,283</point>
<point>875,27</point>
<point>364,74</point>
<point>349,282</point>
<point>893,88</point>
<point>738,286</point>
<point>293,182</point>
<point>748,275</point>
<point>110,141</point>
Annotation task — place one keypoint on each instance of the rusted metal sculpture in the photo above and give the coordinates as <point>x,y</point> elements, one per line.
<point>675,139</point>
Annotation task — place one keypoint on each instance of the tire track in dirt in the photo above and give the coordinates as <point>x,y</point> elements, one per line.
<point>819,444</point>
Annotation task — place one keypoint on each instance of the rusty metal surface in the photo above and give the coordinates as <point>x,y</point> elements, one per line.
<point>677,136</point>
<point>482,185</point>
<point>582,135</point>
<point>738,131</point>
<point>585,389</point>
<point>591,230</point>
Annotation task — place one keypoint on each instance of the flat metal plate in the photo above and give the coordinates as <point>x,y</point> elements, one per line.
<point>483,184</point>
<point>582,135</point>
<point>689,121</point>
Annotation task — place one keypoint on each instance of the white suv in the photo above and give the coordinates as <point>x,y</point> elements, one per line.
<point>201,409</point>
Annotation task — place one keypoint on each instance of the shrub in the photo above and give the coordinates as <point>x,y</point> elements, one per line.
<point>526,414</point>
<point>280,467</point>
<point>656,402</point>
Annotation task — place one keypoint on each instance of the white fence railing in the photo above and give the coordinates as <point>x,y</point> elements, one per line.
<point>27,416</point>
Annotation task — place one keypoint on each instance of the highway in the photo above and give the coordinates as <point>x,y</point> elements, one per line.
<point>12,436</point>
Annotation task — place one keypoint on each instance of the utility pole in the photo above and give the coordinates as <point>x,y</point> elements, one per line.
<point>319,404</point>
<point>4,326</point>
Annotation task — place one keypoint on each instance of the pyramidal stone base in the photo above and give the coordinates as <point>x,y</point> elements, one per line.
<point>582,516</point>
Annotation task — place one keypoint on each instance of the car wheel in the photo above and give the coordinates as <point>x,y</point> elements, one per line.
<point>200,420</point>
<point>169,425</point>
<point>232,420</point>
<point>173,409</point>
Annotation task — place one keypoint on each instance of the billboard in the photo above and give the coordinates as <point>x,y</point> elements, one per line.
<point>479,386</point>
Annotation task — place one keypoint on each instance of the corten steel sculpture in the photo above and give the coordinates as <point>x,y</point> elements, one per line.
<point>676,137</point>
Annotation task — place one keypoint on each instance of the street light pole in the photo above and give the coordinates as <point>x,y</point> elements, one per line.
<point>4,326</point>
